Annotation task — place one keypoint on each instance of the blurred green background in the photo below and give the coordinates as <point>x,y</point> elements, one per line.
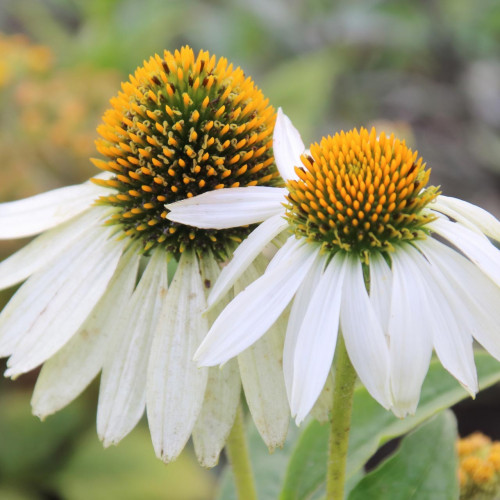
<point>427,70</point>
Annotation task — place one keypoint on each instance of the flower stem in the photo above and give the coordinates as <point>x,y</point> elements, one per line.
<point>239,458</point>
<point>345,378</point>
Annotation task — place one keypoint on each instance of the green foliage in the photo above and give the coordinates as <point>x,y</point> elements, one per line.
<point>30,450</point>
<point>63,458</point>
<point>423,468</point>
<point>269,468</point>
<point>131,471</point>
<point>309,83</point>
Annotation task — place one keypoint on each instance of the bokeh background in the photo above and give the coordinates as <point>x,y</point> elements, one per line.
<point>427,70</point>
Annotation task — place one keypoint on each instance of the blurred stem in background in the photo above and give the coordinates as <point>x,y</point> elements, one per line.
<point>239,458</point>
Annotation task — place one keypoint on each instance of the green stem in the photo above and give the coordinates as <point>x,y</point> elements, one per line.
<point>345,378</point>
<point>239,458</point>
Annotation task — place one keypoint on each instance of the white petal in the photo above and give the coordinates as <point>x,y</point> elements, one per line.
<point>480,297</point>
<point>451,337</point>
<point>483,220</point>
<point>476,248</point>
<point>410,345</point>
<point>322,409</point>
<point>262,374</point>
<point>287,146</point>
<point>285,252</point>
<point>255,309</point>
<point>41,212</point>
<point>210,271</point>
<point>176,386</point>
<point>221,401</point>
<point>245,254</point>
<point>122,395</point>
<point>444,212</point>
<point>45,248</point>
<point>66,374</point>
<point>262,377</point>
<point>380,289</point>
<point>230,207</point>
<point>222,395</point>
<point>297,314</point>
<point>50,307</point>
<point>363,335</point>
<point>316,339</point>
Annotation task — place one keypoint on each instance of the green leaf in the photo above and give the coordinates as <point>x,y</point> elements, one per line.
<point>372,426</point>
<point>423,468</point>
<point>307,468</point>
<point>269,468</point>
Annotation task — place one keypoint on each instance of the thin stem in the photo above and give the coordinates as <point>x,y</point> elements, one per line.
<point>343,392</point>
<point>239,458</point>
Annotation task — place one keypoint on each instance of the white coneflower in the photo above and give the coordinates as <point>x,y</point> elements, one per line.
<point>372,254</point>
<point>98,294</point>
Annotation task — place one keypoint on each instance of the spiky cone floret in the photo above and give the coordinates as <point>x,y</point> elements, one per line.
<point>371,253</point>
<point>113,287</point>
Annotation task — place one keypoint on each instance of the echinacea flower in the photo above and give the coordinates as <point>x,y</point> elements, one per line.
<point>372,254</point>
<point>478,467</point>
<point>102,289</point>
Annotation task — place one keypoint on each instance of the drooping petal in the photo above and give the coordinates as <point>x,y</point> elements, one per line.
<point>217,414</point>
<point>262,377</point>
<point>479,295</point>
<point>363,335</point>
<point>255,309</point>
<point>222,395</point>
<point>297,314</point>
<point>122,395</point>
<point>210,272</point>
<point>321,411</point>
<point>483,220</point>
<point>50,307</point>
<point>316,339</point>
<point>230,207</point>
<point>262,373</point>
<point>176,386</point>
<point>474,246</point>
<point>380,289</point>
<point>66,374</point>
<point>410,337</point>
<point>43,211</point>
<point>287,146</point>
<point>451,338</point>
<point>45,248</point>
<point>245,254</point>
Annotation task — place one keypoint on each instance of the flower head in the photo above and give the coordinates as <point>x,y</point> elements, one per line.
<point>373,255</point>
<point>359,193</point>
<point>113,286</point>
<point>479,467</point>
<point>181,126</point>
